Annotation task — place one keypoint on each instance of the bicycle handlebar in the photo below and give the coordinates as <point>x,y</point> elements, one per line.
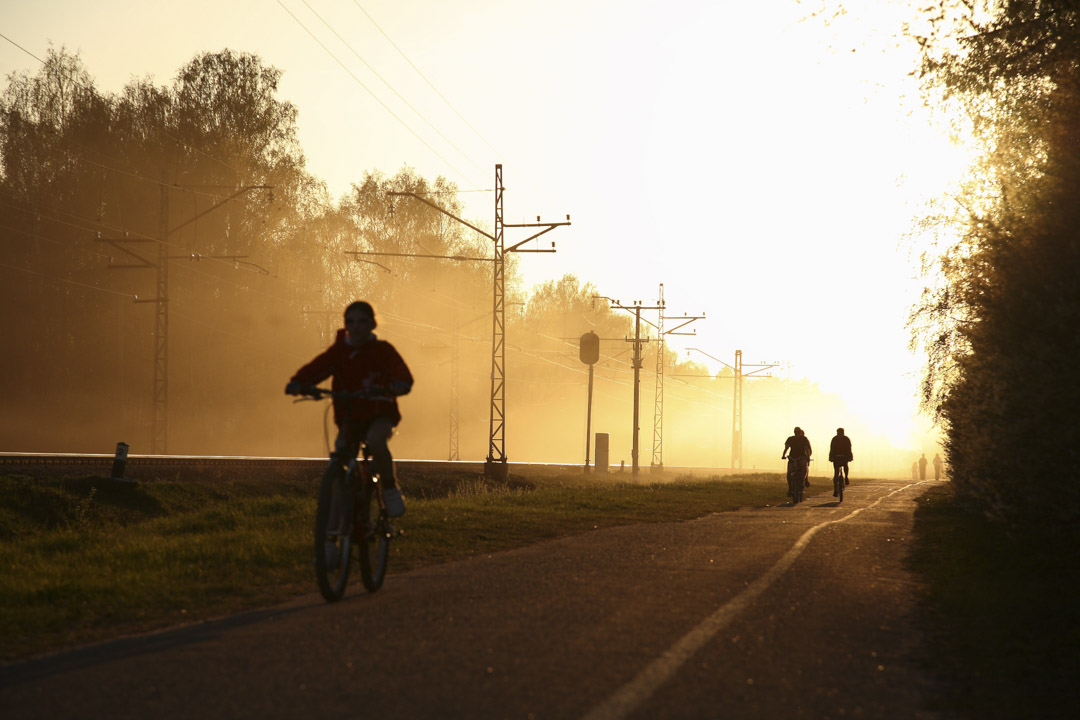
<point>318,393</point>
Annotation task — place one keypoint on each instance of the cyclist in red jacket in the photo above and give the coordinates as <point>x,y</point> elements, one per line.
<point>359,361</point>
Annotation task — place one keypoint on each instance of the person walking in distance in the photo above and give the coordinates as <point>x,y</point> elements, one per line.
<point>360,362</point>
<point>840,455</point>
<point>938,462</point>
<point>922,467</point>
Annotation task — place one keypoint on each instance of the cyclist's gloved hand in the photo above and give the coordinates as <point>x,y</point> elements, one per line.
<point>295,388</point>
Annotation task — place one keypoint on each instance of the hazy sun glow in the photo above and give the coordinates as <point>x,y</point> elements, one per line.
<point>762,160</point>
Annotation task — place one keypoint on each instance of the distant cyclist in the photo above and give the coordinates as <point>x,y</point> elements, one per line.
<point>797,452</point>
<point>359,361</point>
<point>840,455</point>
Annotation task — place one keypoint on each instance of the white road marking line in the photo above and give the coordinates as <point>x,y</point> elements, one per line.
<point>630,696</point>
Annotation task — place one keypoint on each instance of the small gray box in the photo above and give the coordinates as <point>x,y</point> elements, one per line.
<point>600,461</point>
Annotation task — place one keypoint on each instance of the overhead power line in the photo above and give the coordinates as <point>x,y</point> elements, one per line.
<point>421,74</point>
<point>370,91</point>
<point>66,281</point>
<point>391,87</point>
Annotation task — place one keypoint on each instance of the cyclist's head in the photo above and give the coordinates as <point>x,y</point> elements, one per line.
<point>359,319</point>
<point>360,307</point>
<point>839,431</point>
<point>798,430</point>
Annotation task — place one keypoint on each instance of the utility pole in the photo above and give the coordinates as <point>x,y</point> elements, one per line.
<point>589,353</point>
<point>454,392</point>
<point>637,376</point>
<point>495,462</point>
<point>636,361</point>
<point>657,463</point>
<point>159,427</point>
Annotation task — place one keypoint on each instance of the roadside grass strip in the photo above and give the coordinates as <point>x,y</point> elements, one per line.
<point>85,560</point>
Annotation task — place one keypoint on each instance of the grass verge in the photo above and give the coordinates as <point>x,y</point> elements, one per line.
<point>1005,612</point>
<point>87,559</point>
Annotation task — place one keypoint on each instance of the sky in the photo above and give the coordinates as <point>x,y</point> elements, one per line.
<point>764,161</point>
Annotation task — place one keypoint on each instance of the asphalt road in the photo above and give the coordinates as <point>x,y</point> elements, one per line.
<point>785,612</point>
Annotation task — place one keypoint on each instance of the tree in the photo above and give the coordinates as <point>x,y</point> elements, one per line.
<point>79,166</point>
<point>1000,375</point>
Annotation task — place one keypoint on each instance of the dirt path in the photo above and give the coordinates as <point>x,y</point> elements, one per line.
<point>773,612</point>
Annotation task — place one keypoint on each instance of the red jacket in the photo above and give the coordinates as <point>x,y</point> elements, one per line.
<point>375,364</point>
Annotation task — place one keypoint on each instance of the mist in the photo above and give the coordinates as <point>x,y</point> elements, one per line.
<point>168,264</point>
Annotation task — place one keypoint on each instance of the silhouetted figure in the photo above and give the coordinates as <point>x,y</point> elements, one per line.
<point>840,455</point>
<point>797,452</point>
<point>938,463</point>
<point>922,467</point>
<point>360,362</point>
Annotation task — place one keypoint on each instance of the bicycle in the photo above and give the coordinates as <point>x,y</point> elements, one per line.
<point>798,472</point>
<point>840,479</point>
<point>351,511</point>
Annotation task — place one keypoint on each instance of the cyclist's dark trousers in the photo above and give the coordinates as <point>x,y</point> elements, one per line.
<point>840,470</point>
<point>374,435</point>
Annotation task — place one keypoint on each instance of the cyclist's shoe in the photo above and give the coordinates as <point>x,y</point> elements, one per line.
<point>846,481</point>
<point>835,493</point>
<point>806,483</point>
<point>395,504</point>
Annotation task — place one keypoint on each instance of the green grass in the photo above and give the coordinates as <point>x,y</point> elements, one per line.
<point>1006,612</point>
<point>87,559</point>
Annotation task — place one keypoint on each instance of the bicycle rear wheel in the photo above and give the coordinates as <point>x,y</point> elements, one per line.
<point>373,541</point>
<point>333,533</point>
<point>839,482</point>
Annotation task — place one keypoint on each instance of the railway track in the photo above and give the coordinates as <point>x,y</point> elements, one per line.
<point>210,467</point>
<point>180,465</point>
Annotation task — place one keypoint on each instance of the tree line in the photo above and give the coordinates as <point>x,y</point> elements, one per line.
<point>999,319</point>
<point>206,172</point>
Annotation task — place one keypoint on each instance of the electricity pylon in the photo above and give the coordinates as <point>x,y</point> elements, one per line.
<point>159,426</point>
<point>736,403</point>
<point>495,462</point>
<point>658,406</point>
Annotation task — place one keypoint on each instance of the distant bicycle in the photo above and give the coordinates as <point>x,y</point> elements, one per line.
<point>351,515</point>
<point>839,481</point>
<point>798,475</point>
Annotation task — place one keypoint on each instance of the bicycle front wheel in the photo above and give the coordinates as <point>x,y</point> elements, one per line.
<point>333,533</point>
<point>374,540</point>
<point>797,487</point>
